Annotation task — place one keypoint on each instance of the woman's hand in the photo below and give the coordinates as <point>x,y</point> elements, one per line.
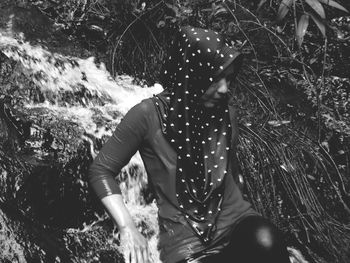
<point>134,245</point>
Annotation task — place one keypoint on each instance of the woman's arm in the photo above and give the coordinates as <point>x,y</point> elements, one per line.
<point>114,155</point>
<point>133,242</point>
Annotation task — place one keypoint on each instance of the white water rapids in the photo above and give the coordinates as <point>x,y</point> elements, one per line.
<point>59,75</point>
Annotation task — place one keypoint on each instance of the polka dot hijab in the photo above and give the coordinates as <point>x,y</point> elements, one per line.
<point>201,136</point>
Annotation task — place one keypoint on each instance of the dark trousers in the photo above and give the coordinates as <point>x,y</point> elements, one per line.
<point>254,240</point>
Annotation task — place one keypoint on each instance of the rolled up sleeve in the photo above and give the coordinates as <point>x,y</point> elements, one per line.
<point>118,150</point>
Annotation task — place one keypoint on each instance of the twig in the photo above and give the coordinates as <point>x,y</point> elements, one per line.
<point>127,28</point>
<point>245,35</point>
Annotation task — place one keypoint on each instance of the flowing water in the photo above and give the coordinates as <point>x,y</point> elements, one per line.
<point>82,91</point>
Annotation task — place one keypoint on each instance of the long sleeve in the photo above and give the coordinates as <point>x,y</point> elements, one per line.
<point>118,150</point>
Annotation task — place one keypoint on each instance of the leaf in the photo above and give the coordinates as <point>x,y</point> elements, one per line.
<point>311,177</point>
<point>160,24</point>
<point>321,26</point>
<point>301,28</point>
<point>334,4</point>
<point>261,3</point>
<point>316,5</point>
<point>174,8</point>
<point>277,123</point>
<point>207,10</point>
<point>220,10</point>
<point>312,61</point>
<point>186,10</point>
<point>283,9</point>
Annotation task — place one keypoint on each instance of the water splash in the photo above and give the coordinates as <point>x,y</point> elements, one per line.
<point>57,73</point>
<point>108,99</point>
<point>146,215</point>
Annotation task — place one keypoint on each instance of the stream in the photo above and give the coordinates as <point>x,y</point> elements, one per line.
<point>57,110</point>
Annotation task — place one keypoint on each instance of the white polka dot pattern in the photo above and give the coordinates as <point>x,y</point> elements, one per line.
<point>200,136</point>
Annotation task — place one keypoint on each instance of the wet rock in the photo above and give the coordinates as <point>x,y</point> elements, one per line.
<point>27,241</point>
<point>43,167</point>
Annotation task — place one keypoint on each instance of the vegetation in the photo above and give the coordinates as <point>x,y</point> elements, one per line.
<point>292,95</point>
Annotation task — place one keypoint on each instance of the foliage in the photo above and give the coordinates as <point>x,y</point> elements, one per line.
<point>307,8</point>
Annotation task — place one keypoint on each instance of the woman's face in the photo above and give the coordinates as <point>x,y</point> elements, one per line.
<point>216,93</point>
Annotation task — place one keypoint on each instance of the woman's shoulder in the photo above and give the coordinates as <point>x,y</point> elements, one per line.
<point>144,108</point>
<point>146,105</point>
<point>139,118</point>
<point>143,115</point>
<point>141,111</point>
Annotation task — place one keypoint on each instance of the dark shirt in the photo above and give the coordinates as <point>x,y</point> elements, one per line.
<point>140,130</point>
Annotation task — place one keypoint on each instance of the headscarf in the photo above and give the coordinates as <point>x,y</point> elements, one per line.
<point>200,136</point>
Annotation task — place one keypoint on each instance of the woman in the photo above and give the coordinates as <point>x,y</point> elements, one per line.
<point>186,136</point>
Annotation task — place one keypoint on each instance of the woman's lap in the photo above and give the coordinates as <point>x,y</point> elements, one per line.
<point>254,239</point>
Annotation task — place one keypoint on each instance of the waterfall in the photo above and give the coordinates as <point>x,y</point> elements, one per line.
<point>82,91</point>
